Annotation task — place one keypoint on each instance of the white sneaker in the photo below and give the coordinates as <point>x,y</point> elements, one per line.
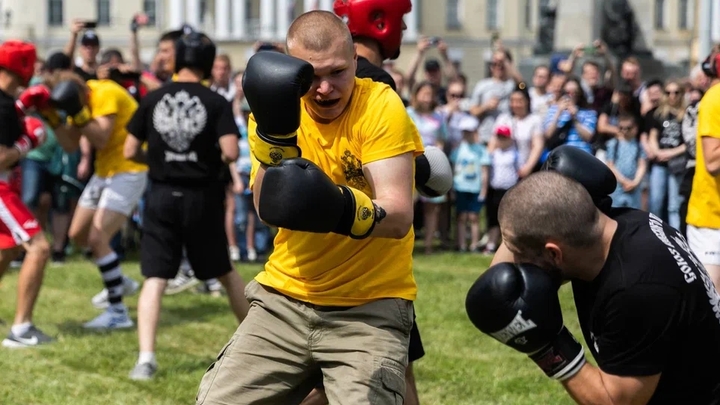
<point>234,253</point>
<point>130,287</point>
<point>252,255</point>
<point>112,318</point>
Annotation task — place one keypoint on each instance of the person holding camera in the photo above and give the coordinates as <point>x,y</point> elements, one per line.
<point>570,121</point>
<point>89,48</point>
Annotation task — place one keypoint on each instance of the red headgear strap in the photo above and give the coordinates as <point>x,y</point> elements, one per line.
<point>381,20</point>
<point>18,57</point>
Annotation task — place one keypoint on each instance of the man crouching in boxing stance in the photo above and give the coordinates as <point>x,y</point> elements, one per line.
<point>335,298</point>
<point>647,307</point>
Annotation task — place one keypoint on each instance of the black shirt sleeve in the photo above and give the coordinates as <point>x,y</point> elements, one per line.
<point>137,126</point>
<point>650,121</point>
<point>639,330</point>
<point>9,122</point>
<point>366,70</point>
<point>226,123</point>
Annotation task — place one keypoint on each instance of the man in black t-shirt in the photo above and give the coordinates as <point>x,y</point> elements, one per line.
<point>191,135</point>
<point>647,308</point>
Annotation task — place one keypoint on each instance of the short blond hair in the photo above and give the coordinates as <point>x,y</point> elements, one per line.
<point>317,31</point>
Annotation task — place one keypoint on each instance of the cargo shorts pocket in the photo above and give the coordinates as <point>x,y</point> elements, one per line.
<point>211,373</point>
<point>389,381</point>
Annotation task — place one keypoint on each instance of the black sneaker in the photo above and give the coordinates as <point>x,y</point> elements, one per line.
<point>33,337</point>
<point>58,257</point>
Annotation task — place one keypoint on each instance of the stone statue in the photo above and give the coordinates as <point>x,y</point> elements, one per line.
<point>546,34</point>
<point>619,29</point>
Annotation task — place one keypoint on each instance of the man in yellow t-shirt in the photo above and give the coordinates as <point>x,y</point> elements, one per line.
<point>703,217</point>
<point>98,112</point>
<point>333,170</point>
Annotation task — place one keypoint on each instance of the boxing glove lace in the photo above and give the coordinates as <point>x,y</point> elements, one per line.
<point>517,304</point>
<point>273,84</point>
<point>297,195</point>
<point>66,96</point>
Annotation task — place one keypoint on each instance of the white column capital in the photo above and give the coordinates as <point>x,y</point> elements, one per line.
<point>284,17</point>
<point>411,21</point>
<point>310,5</point>
<point>193,13</point>
<point>177,14</point>
<point>222,19</point>
<point>239,19</point>
<point>267,20</point>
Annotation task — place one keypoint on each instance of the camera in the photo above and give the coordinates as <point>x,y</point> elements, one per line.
<point>434,41</point>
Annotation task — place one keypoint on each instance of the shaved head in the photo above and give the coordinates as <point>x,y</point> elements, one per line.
<point>318,31</point>
<point>547,206</point>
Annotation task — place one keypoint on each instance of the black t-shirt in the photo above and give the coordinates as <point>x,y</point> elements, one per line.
<point>669,130</point>
<point>653,309</point>
<point>9,121</point>
<point>366,70</point>
<point>85,75</point>
<point>182,123</point>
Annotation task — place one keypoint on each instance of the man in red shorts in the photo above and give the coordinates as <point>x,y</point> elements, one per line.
<point>18,228</point>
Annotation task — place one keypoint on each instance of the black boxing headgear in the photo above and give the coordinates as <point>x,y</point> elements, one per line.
<point>195,50</point>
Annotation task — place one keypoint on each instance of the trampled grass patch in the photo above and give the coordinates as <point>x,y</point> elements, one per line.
<point>461,366</point>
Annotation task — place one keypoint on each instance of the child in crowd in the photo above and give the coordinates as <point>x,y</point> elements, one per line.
<point>627,159</point>
<point>505,164</point>
<point>471,163</point>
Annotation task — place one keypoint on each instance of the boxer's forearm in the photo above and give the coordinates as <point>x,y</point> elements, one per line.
<point>587,388</point>
<point>392,220</point>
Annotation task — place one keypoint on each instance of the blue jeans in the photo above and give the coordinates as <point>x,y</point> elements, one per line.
<point>665,186</point>
<point>35,177</point>
<point>243,209</point>
<point>624,199</point>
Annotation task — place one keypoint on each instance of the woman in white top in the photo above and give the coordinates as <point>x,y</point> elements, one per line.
<point>526,130</point>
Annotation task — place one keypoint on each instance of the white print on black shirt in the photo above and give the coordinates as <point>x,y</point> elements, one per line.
<point>690,272</point>
<point>179,119</point>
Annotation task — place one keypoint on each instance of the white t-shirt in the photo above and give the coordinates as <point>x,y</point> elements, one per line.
<point>523,131</point>
<point>505,166</point>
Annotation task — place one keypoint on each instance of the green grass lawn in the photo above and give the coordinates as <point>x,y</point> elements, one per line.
<point>461,366</point>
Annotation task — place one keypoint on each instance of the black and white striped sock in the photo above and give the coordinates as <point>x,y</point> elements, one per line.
<point>112,277</point>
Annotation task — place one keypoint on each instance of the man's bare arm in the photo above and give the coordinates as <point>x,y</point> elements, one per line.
<point>392,183</point>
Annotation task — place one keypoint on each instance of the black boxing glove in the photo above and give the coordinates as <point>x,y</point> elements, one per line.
<point>297,195</point>
<point>433,173</point>
<point>273,84</point>
<point>517,304</point>
<point>587,170</point>
<point>67,96</point>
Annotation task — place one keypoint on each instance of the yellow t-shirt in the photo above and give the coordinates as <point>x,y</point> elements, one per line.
<point>336,270</point>
<point>704,203</point>
<point>109,98</point>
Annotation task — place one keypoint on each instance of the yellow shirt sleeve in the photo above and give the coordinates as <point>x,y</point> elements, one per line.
<point>388,129</point>
<point>709,117</point>
<point>105,99</point>
<point>252,134</point>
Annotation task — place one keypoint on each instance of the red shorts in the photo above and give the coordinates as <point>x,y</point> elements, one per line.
<point>17,223</point>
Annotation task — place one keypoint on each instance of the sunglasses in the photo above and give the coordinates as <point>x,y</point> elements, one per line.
<point>455,95</point>
<point>625,129</point>
<point>672,92</point>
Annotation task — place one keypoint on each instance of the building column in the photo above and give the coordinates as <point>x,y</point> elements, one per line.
<point>284,17</point>
<point>193,13</point>
<point>310,5</point>
<point>411,20</point>
<point>326,5</point>
<point>239,19</point>
<point>177,14</point>
<point>267,19</point>
<point>222,19</point>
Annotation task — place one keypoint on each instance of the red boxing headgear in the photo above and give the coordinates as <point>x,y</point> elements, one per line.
<point>381,20</point>
<point>18,57</point>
